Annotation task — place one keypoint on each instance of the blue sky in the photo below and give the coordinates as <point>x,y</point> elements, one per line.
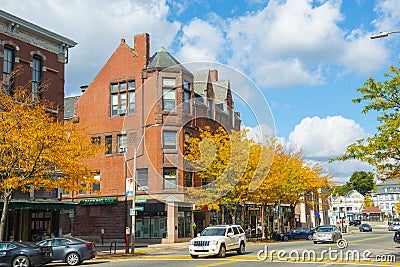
<point>305,57</point>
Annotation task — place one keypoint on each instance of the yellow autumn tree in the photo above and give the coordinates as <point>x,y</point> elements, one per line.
<point>226,164</point>
<point>290,180</point>
<point>38,152</point>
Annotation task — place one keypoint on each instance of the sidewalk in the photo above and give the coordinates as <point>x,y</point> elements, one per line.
<point>119,250</point>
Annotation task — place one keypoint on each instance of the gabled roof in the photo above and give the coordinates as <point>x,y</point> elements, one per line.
<point>371,210</point>
<point>351,192</point>
<point>200,81</point>
<point>221,90</point>
<point>69,107</point>
<point>162,59</point>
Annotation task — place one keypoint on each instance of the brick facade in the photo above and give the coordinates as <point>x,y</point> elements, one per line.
<point>96,109</point>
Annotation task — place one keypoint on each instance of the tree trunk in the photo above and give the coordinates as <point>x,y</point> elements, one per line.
<point>4,214</point>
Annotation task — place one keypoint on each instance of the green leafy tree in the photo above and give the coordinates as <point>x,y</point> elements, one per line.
<point>382,149</point>
<point>362,181</point>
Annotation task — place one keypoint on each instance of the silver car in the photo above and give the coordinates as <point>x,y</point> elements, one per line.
<point>70,250</point>
<point>327,234</point>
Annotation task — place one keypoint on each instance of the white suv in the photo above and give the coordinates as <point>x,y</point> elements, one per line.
<point>216,240</point>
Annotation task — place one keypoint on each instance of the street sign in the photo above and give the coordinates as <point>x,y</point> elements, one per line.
<point>132,212</point>
<point>139,208</point>
<point>140,200</point>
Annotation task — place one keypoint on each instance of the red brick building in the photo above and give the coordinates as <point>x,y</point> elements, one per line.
<point>148,105</point>
<point>39,56</point>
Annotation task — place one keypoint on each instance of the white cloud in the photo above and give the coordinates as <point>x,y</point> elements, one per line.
<point>389,14</point>
<point>259,132</point>
<point>97,26</point>
<point>325,137</point>
<point>200,41</point>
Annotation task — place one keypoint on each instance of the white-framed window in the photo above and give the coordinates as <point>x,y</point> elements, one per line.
<point>8,67</point>
<point>36,75</point>
<point>96,187</point>
<point>168,94</point>
<point>121,143</point>
<point>169,139</point>
<point>122,97</point>
<point>186,101</point>
<point>169,175</point>
<point>142,178</point>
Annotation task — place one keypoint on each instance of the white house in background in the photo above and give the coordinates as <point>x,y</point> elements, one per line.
<point>386,196</point>
<point>349,206</point>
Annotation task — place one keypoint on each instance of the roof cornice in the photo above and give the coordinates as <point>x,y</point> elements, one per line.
<point>30,27</point>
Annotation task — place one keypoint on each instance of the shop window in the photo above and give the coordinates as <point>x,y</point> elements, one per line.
<point>184,222</point>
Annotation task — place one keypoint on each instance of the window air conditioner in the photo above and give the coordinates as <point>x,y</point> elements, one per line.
<point>121,111</point>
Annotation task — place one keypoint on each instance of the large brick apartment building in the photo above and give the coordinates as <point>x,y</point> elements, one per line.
<point>39,56</point>
<point>150,104</point>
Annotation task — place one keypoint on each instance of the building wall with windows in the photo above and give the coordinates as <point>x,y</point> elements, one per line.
<point>150,104</point>
<point>386,196</point>
<point>35,57</point>
<point>38,55</point>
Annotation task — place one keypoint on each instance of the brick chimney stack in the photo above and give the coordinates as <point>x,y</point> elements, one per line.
<point>142,48</point>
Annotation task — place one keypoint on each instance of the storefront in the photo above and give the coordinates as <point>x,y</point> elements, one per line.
<point>33,220</point>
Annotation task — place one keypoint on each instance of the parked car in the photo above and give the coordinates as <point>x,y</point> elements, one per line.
<point>327,234</point>
<point>396,237</point>
<point>394,226</point>
<point>70,250</point>
<point>355,222</point>
<point>297,233</point>
<point>18,254</point>
<point>216,240</point>
<point>365,227</point>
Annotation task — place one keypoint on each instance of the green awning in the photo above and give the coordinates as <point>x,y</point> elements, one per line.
<point>40,205</point>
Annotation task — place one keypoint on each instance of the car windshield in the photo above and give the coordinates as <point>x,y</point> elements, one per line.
<point>325,229</point>
<point>213,232</point>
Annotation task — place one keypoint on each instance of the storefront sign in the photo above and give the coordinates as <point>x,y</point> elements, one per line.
<point>99,201</point>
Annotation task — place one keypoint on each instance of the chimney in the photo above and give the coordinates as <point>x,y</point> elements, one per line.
<point>213,75</point>
<point>141,45</point>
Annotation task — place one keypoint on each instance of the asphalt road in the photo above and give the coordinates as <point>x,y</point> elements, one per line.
<point>363,249</point>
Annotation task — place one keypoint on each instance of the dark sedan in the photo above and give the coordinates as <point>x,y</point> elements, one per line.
<point>22,254</point>
<point>298,233</point>
<point>364,227</point>
<point>70,250</point>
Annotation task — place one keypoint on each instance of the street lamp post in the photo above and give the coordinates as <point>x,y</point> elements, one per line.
<point>133,211</point>
<point>384,34</point>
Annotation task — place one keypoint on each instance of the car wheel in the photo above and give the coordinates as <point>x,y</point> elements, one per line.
<point>242,249</point>
<point>315,242</point>
<point>285,238</point>
<point>222,251</point>
<point>309,237</point>
<point>194,256</point>
<point>72,259</point>
<point>21,261</point>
